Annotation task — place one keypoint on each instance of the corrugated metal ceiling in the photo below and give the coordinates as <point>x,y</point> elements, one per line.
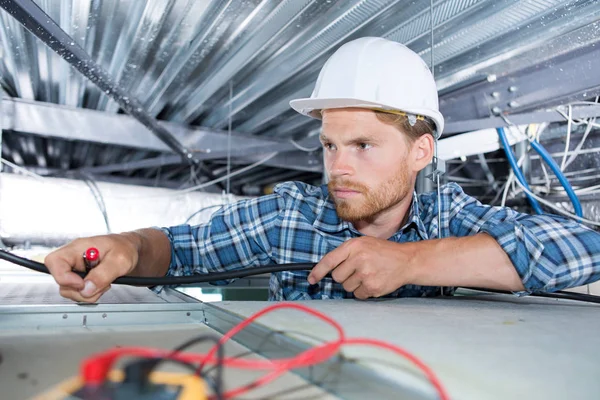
<point>198,62</point>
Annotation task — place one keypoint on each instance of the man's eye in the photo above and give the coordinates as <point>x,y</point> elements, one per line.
<point>364,146</point>
<point>328,146</point>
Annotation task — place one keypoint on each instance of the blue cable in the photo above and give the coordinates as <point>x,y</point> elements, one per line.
<point>515,167</point>
<point>561,177</point>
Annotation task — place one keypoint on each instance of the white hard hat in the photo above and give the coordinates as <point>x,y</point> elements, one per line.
<point>375,73</point>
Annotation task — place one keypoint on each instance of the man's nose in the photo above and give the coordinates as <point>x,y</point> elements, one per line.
<point>340,164</point>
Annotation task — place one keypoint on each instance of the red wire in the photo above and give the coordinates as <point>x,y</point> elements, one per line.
<point>411,357</point>
<point>95,368</point>
<point>236,329</point>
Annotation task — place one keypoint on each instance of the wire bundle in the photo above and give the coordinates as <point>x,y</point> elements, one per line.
<point>241,273</point>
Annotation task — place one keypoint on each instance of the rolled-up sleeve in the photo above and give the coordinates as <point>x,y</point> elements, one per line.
<point>239,235</point>
<point>549,252</point>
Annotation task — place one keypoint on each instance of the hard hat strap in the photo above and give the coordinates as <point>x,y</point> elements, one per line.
<point>412,118</point>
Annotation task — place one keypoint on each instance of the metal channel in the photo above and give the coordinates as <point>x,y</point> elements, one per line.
<point>343,379</point>
<point>32,17</point>
<point>41,317</point>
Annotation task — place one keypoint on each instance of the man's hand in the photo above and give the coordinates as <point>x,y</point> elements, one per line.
<point>118,257</point>
<point>372,267</point>
<point>367,266</point>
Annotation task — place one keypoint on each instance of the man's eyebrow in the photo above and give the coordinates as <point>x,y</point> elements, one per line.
<point>356,140</point>
<point>362,139</point>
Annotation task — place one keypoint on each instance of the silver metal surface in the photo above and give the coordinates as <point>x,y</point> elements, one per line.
<point>40,24</point>
<point>570,77</point>
<point>19,293</point>
<point>481,347</point>
<point>520,119</point>
<point>35,361</point>
<point>49,120</point>
<point>338,376</point>
<point>180,56</point>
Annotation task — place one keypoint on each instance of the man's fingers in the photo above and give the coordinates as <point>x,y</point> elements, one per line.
<point>61,269</point>
<point>76,295</point>
<point>343,271</point>
<point>352,283</point>
<point>328,263</point>
<point>98,279</point>
<point>361,293</point>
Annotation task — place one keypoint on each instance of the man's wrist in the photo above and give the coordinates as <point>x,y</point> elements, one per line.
<point>413,262</point>
<point>135,238</point>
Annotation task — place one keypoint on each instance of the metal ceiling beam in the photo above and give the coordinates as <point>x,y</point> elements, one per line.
<point>569,77</point>
<point>51,120</point>
<point>32,17</point>
<point>578,112</point>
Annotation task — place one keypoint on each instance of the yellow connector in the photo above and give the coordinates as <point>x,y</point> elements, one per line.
<point>192,387</point>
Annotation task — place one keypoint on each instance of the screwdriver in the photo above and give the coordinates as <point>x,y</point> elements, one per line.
<point>91,257</point>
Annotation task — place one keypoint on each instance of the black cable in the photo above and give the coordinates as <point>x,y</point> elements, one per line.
<point>218,387</point>
<point>244,272</point>
<point>559,294</point>
<point>173,280</point>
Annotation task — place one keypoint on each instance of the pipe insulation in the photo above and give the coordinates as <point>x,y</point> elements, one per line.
<point>53,211</point>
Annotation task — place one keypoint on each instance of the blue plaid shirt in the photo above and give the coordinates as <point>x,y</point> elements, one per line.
<point>298,224</point>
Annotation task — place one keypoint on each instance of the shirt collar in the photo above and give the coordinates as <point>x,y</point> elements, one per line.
<point>328,221</point>
<point>414,217</point>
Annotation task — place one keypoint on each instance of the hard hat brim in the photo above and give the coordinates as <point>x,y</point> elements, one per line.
<point>313,107</point>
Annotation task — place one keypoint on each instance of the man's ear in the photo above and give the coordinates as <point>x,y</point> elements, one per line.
<point>422,152</point>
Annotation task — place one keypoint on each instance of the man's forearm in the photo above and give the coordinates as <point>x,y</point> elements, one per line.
<point>154,252</point>
<point>473,261</point>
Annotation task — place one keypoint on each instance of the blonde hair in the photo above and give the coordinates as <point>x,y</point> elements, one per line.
<point>423,126</point>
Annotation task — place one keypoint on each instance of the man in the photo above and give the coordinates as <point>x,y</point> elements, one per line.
<point>379,108</point>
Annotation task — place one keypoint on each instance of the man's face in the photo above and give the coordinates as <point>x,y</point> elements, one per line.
<point>366,161</point>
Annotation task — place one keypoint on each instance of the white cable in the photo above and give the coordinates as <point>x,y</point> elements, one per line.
<point>306,149</point>
<point>559,210</point>
<point>568,140</point>
<point>575,121</point>
<point>234,173</point>
<point>229,135</point>
<point>24,171</point>
<point>510,180</point>
<point>583,151</point>
<point>575,152</point>
<point>584,190</point>
<point>205,184</point>
<point>538,133</point>
<point>546,177</point>
<point>590,124</point>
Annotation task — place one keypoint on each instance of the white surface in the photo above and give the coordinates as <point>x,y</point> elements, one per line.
<point>476,142</point>
<point>498,348</point>
<point>54,210</point>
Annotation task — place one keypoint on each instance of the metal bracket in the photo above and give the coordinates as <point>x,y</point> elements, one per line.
<point>438,166</point>
<point>439,169</point>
